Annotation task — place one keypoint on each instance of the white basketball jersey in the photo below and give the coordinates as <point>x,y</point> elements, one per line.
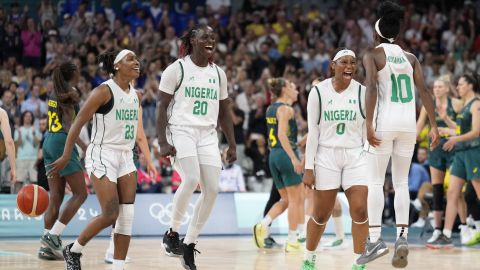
<point>342,116</point>
<point>117,129</point>
<point>197,98</point>
<point>395,110</point>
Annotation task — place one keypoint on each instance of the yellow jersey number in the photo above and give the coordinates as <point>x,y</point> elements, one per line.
<point>54,124</point>
<point>272,138</point>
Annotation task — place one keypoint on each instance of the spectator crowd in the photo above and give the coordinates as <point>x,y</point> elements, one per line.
<point>256,40</point>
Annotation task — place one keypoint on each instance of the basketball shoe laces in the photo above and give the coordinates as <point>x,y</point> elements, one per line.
<point>190,253</point>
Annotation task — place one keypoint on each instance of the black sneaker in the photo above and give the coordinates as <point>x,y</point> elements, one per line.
<point>72,259</point>
<point>45,253</point>
<point>271,243</point>
<point>188,258</point>
<point>54,243</point>
<point>171,243</point>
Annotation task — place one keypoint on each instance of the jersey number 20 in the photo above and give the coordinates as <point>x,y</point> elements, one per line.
<point>398,93</point>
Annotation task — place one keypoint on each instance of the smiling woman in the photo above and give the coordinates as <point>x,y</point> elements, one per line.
<point>194,90</point>
<point>115,109</point>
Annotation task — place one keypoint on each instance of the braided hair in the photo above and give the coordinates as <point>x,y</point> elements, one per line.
<point>67,96</point>
<point>105,61</point>
<point>186,47</point>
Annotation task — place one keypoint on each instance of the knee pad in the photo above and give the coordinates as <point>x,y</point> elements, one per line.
<point>438,197</point>
<point>125,219</point>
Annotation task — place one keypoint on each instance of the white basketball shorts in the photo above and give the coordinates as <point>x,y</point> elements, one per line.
<point>340,167</point>
<point>114,164</point>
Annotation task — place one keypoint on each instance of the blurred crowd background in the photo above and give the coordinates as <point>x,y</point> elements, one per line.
<point>256,40</point>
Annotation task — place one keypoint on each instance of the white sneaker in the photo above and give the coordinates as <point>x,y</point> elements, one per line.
<point>420,223</point>
<point>436,234</point>
<point>109,257</point>
<point>465,233</point>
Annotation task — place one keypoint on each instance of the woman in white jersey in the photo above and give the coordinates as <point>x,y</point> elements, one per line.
<point>193,98</point>
<point>333,157</point>
<point>391,77</point>
<point>115,108</point>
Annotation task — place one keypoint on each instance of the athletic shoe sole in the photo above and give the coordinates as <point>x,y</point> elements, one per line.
<point>258,242</point>
<point>436,247</point>
<point>400,260</point>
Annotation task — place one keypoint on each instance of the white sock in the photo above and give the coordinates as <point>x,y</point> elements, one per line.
<point>355,257</point>
<point>477,224</point>
<point>292,236</point>
<point>111,244</point>
<point>189,239</point>
<point>118,264</point>
<point>310,256</point>
<point>76,248</point>
<point>267,220</point>
<point>300,228</point>
<point>403,231</point>
<point>447,233</point>
<point>57,228</point>
<point>375,233</point>
<point>45,231</point>
<point>338,227</point>
<point>268,231</point>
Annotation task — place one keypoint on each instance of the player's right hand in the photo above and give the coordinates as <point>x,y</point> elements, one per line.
<point>371,137</point>
<point>309,178</point>
<point>435,137</point>
<point>167,150</point>
<point>297,166</point>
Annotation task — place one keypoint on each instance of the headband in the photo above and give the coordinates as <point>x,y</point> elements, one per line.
<point>121,55</point>
<point>380,33</point>
<point>343,53</point>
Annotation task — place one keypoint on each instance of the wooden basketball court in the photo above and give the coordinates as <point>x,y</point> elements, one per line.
<point>228,253</point>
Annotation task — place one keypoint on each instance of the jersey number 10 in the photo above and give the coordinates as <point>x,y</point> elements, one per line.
<point>398,95</point>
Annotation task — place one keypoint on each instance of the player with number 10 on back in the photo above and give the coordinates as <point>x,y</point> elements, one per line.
<point>391,75</point>
<point>193,98</point>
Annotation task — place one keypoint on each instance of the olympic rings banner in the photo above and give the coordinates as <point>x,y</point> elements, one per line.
<point>234,213</point>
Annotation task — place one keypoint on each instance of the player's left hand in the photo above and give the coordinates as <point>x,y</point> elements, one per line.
<point>434,137</point>
<point>231,154</point>
<point>450,144</point>
<point>152,171</point>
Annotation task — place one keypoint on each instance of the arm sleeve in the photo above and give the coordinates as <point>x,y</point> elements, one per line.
<point>313,113</point>
<point>223,84</point>
<point>170,78</point>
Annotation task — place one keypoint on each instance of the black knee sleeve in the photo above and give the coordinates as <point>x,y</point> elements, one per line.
<point>438,197</point>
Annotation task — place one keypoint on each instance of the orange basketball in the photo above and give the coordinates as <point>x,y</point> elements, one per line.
<point>32,200</point>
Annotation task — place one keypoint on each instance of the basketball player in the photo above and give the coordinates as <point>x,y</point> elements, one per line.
<point>466,159</point>
<point>194,89</point>
<point>62,109</point>
<point>9,144</point>
<point>142,143</point>
<point>439,160</point>
<point>115,107</point>
<point>391,77</point>
<point>284,164</point>
<point>334,154</point>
